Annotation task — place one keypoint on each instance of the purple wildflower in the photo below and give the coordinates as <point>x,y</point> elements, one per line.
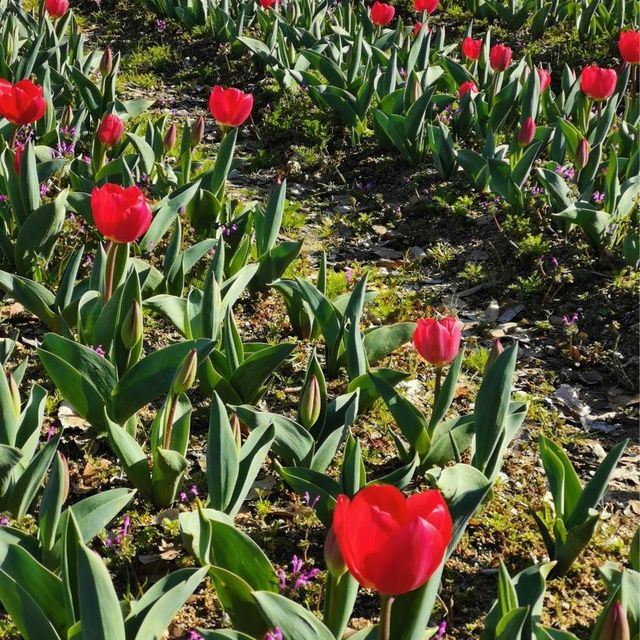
<point>442,628</point>
<point>4,521</point>
<point>100,351</point>
<point>276,634</point>
<point>161,25</point>
<point>598,197</point>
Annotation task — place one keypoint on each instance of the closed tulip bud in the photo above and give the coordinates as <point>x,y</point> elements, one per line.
<point>132,328</point>
<point>598,83</point>
<point>616,625</point>
<point>15,394</point>
<point>629,46</point>
<point>305,324</point>
<point>56,8</point>
<point>110,130</point>
<point>106,62</point>
<point>332,556</point>
<point>381,13</point>
<point>170,137</point>
<point>527,132</point>
<point>186,375</point>
<point>499,57</point>
<point>65,477</point>
<point>496,350</point>
<point>122,215</point>
<point>310,403</point>
<point>237,431</point>
<point>197,132</point>
<point>67,116</point>
<point>438,341</point>
<point>582,154</point>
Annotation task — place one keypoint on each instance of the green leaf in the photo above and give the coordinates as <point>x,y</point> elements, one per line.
<point>511,625</point>
<point>31,594</point>
<point>99,607</point>
<point>153,613</point>
<point>447,392</point>
<point>252,455</point>
<point>223,462</point>
<point>291,618</point>
<point>382,341</point>
<point>596,487</point>
<point>303,480</point>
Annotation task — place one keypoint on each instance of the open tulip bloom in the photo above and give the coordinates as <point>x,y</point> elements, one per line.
<point>21,103</point>
<point>391,543</point>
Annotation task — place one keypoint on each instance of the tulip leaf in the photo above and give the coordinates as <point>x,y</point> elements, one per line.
<point>223,463</point>
<point>98,603</point>
<point>382,341</point>
<point>152,614</point>
<point>291,618</point>
<point>253,453</point>
<point>236,597</point>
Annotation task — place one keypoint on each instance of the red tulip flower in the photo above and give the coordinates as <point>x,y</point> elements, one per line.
<point>471,48</point>
<point>416,29</point>
<point>382,13</point>
<point>389,543</point>
<point>267,4</point>
<point>230,107</point>
<point>21,103</point>
<point>121,215</point>
<point>545,78</point>
<point>467,86</point>
<point>527,132</point>
<point>111,130</point>
<point>426,5</point>
<point>499,57</point>
<point>598,83</point>
<point>56,8</point>
<point>438,341</point>
<point>629,46</point>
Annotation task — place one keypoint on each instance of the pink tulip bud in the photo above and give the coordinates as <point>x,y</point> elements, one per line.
<point>616,625</point>
<point>438,341</point>
<point>582,154</point>
<point>132,327</point>
<point>106,62</point>
<point>237,431</point>
<point>170,138</point>
<point>111,130</point>
<point>186,374</point>
<point>197,132</point>
<point>14,393</point>
<point>496,350</point>
<point>310,403</point>
<point>527,132</point>
<point>332,556</point>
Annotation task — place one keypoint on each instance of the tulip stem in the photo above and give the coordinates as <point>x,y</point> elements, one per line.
<point>438,386</point>
<point>385,617</point>
<point>110,270</point>
<point>170,418</point>
<point>14,137</point>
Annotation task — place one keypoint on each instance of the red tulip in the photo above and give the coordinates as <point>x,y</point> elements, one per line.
<point>230,107</point>
<point>499,57</point>
<point>122,215</point>
<point>616,625</point>
<point>111,130</point>
<point>17,157</point>
<point>471,48</point>
<point>598,83</point>
<point>527,132</point>
<point>438,341</point>
<point>56,8</point>
<point>389,543</point>
<point>545,78</point>
<point>416,29</point>
<point>382,13</point>
<point>21,103</point>
<point>629,46</point>
<point>426,5</point>
<point>267,4</point>
<point>467,86</point>
<point>582,154</point>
